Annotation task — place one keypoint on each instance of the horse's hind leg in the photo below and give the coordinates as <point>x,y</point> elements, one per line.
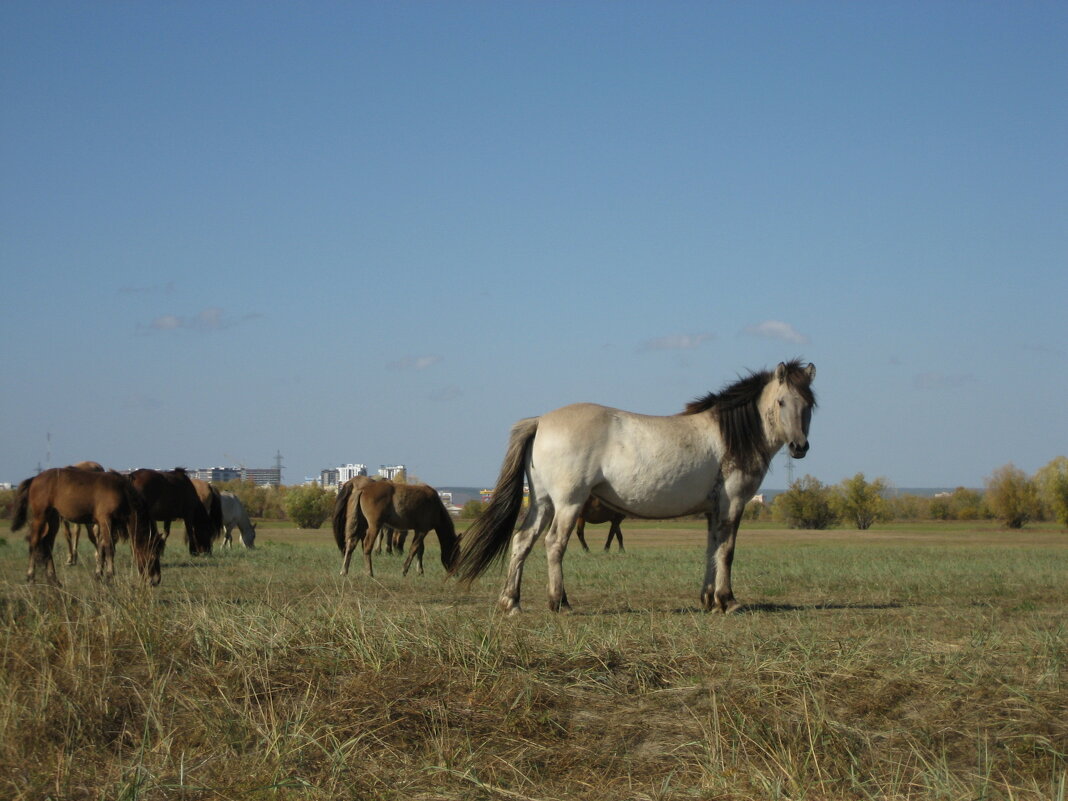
<point>105,550</point>
<point>555,545</point>
<point>353,535</point>
<point>72,536</point>
<point>538,519</point>
<point>42,536</point>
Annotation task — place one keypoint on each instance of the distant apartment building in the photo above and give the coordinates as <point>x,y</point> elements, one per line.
<point>217,474</point>
<point>261,476</point>
<point>347,472</point>
<point>336,476</point>
<point>391,471</point>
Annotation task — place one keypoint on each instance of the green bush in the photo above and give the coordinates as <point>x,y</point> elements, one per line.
<point>309,505</point>
<point>808,503</point>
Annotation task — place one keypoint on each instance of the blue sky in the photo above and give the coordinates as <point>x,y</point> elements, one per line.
<point>382,232</point>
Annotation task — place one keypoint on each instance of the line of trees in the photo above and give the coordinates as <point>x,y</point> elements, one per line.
<point>1011,497</point>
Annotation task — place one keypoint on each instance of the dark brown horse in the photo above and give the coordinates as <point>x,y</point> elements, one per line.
<point>209,496</point>
<point>107,500</point>
<point>363,508</point>
<point>170,495</point>
<point>74,534</point>
<point>596,512</point>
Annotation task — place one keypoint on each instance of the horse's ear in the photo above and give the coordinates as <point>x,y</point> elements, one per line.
<point>780,372</point>
<point>810,371</point>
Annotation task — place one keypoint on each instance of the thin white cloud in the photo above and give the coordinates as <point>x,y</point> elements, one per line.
<point>677,342</point>
<point>415,362</point>
<point>776,329</point>
<point>167,322</point>
<point>210,319</point>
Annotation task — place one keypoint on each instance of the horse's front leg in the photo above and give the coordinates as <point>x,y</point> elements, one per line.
<point>580,532</point>
<point>614,531</point>
<point>717,594</point>
<point>415,551</point>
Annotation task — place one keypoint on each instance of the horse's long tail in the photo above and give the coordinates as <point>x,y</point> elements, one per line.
<point>215,513</point>
<point>20,508</point>
<point>485,542</point>
<point>341,506</point>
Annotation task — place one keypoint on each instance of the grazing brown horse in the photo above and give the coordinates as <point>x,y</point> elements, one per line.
<point>170,495</point>
<point>74,534</point>
<point>209,496</point>
<point>596,512</point>
<point>364,508</point>
<point>107,500</point>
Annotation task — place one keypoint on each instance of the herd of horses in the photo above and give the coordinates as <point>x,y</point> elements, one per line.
<point>582,463</point>
<point>113,506</point>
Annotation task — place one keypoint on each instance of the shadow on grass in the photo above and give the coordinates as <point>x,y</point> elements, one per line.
<point>771,607</point>
<point>746,609</point>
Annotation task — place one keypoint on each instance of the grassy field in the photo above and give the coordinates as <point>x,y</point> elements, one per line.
<point>910,662</point>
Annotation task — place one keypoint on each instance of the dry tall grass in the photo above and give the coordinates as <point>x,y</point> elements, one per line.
<point>879,666</point>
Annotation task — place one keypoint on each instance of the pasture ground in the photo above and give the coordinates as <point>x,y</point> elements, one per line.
<point>922,662</point>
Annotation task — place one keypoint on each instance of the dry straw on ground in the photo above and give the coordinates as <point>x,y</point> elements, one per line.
<point>894,665</point>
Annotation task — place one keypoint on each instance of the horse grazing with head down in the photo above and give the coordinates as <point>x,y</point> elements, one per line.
<point>710,459</point>
<point>364,507</point>
<point>596,512</point>
<point>106,500</point>
<point>234,514</point>
<point>170,495</point>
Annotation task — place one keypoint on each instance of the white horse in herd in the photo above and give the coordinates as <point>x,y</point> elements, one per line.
<point>234,514</point>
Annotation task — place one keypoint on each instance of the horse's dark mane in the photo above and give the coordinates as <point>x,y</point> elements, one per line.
<point>736,410</point>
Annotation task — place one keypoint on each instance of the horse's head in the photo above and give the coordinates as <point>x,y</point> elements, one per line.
<point>792,404</point>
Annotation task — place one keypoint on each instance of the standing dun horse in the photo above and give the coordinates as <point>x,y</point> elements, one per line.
<point>365,505</point>
<point>710,459</point>
<point>106,500</point>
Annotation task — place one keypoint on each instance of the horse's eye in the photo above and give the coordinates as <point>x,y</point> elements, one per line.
<point>782,402</point>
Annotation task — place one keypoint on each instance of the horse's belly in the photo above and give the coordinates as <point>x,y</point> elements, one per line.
<point>652,494</point>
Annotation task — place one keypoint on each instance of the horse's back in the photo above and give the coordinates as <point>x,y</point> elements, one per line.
<point>78,495</point>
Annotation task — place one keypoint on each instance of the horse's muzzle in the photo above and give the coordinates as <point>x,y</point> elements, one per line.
<point>798,451</point>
